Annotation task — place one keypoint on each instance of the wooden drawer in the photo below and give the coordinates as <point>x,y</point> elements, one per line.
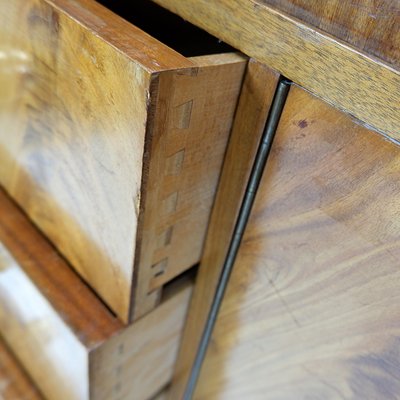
<point>67,340</point>
<point>112,142</point>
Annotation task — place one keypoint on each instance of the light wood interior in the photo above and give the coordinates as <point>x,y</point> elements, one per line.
<point>191,129</point>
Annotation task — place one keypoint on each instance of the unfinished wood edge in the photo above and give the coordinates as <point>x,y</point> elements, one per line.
<point>137,293</point>
<point>124,37</point>
<point>152,343</point>
<point>331,69</point>
<point>218,59</point>
<point>169,142</point>
<point>144,300</point>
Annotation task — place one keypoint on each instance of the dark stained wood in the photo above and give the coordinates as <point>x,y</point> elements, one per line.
<point>257,93</point>
<point>14,384</point>
<point>369,25</point>
<point>311,311</point>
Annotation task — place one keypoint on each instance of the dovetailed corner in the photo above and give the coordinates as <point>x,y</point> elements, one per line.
<point>160,267</point>
<point>182,115</point>
<point>165,237</point>
<point>174,163</point>
<point>170,203</point>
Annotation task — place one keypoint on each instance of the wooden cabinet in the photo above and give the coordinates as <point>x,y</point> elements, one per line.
<point>115,121</point>
<point>112,142</point>
<point>311,307</point>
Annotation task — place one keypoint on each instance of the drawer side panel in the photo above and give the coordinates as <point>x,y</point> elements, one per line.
<point>192,125</point>
<point>73,114</point>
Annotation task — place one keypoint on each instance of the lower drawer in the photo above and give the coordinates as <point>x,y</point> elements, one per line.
<point>67,340</point>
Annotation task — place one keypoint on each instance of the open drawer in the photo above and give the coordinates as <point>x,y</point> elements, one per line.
<point>112,142</point>
<point>65,337</point>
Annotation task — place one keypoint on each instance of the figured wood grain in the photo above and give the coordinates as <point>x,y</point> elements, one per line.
<point>189,140</point>
<point>371,26</point>
<point>65,337</point>
<point>311,308</point>
<point>79,102</point>
<point>14,383</point>
<point>339,74</point>
<point>255,99</point>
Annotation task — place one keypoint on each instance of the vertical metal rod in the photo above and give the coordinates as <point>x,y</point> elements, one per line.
<point>264,148</point>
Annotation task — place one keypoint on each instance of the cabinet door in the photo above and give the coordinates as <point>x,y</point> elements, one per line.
<point>311,310</point>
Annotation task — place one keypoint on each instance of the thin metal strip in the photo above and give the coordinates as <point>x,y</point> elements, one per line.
<point>263,151</point>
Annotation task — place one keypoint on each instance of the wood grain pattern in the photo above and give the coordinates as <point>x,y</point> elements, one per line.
<point>80,102</point>
<point>189,140</point>
<point>369,25</point>
<point>14,384</point>
<point>349,79</point>
<point>311,308</point>
<point>255,100</point>
<point>67,340</point>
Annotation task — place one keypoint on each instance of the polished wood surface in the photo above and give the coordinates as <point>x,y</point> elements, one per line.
<point>311,310</point>
<point>14,384</point>
<point>255,100</point>
<point>339,74</point>
<point>68,341</point>
<point>189,140</point>
<point>369,25</point>
<point>81,107</point>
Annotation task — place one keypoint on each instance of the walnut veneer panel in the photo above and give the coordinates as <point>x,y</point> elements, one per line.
<point>311,309</point>
<point>371,26</point>
<point>65,337</point>
<point>91,136</point>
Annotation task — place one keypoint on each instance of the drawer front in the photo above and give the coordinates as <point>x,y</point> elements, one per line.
<point>66,339</point>
<point>112,143</point>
